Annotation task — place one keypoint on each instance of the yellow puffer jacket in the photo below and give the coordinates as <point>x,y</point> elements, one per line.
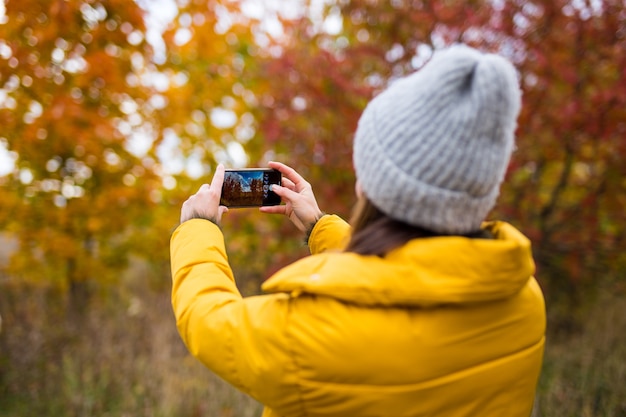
<point>444,326</point>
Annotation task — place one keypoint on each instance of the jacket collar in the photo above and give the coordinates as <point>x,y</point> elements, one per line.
<point>424,272</point>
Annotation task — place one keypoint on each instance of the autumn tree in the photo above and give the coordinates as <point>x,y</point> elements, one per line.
<point>565,186</point>
<point>218,116</point>
<point>110,139</point>
<point>110,135</point>
<point>302,86</point>
<point>75,110</point>
<point>566,183</point>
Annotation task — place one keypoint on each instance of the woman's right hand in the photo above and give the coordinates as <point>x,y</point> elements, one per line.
<point>297,194</point>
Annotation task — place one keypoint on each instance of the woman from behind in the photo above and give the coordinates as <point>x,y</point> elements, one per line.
<point>419,307</point>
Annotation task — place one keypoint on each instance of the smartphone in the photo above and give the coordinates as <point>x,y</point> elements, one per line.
<point>250,187</point>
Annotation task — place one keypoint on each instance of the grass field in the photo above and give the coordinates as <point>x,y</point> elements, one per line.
<point>124,358</point>
<point>584,373</point>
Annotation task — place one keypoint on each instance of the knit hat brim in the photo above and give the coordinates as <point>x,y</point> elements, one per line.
<point>410,200</point>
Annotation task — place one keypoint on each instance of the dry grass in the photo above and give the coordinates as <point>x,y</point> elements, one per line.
<point>584,373</point>
<point>124,358</point>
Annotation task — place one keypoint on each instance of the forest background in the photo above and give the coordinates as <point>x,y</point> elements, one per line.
<point>112,112</point>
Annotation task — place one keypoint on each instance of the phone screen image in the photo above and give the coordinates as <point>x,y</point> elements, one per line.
<point>250,187</point>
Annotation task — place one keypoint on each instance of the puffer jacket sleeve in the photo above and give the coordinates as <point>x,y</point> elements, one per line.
<point>331,233</point>
<point>241,340</point>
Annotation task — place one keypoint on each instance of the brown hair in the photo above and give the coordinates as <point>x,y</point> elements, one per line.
<point>375,233</point>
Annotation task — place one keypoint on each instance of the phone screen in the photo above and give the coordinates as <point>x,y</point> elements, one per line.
<point>250,187</point>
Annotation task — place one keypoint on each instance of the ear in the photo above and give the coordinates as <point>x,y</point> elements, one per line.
<point>357,189</point>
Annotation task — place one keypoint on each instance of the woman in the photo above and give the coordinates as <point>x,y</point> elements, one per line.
<point>420,307</point>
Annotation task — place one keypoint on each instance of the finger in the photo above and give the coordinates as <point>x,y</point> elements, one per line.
<point>218,179</point>
<point>286,182</point>
<point>288,172</point>
<point>273,209</point>
<point>285,193</point>
<point>277,165</point>
<point>220,212</point>
<point>203,187</point>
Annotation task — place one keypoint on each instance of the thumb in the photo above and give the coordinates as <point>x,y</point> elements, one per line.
<point>220,211</point>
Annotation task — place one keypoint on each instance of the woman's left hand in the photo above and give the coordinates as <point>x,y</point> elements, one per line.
<point>205,204</point>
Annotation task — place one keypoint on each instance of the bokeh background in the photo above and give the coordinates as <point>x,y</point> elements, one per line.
<point>113,111</point>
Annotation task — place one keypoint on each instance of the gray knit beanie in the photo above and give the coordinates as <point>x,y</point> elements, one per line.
<point>433,148</point>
